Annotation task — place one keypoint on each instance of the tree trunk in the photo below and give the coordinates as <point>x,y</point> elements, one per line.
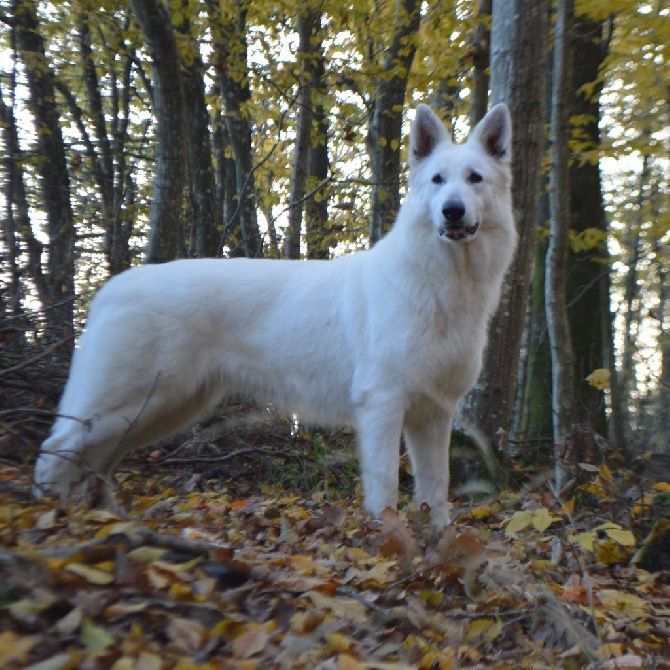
<point>230,42</point>
<point>226,183</point>
<point>588,269</point>
<point>17,220</point>
<point>206,224</point>
<point>316,205</point>
<point>52,168</point>
<point>562,357</point>
<point>663,402</point>
<point>534,420</point>
<point>481,61</point>
<point>169,110</point>
<point>385,134</point>
<point>308,26</point>
<point>519,34</point>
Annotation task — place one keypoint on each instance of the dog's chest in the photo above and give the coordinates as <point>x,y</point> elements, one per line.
<point>449,355</point>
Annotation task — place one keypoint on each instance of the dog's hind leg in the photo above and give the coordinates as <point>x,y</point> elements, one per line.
<point>80,453</point>
<point>427,439</point>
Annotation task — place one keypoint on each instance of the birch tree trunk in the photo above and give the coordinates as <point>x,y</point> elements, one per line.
<point>562,357</point>
<point>169,110</point>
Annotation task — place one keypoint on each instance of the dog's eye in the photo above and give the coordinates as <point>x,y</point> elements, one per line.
<point>438,179</point>
<point>474,177</point>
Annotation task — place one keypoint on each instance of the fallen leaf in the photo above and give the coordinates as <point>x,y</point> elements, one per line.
<point>94,638</point>
<point>396,539</point>
<point>187,635</point>
<point>251,642</point>
<point>15,648</point>
<point>90,573</point>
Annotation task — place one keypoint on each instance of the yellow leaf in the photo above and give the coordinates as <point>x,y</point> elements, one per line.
<point>121,528</point>
<point>540,519</point>
<point>15,648</point>
<point>518,521</point>
<point>608,552</point>
<point>585,540</point>
<point>488,629</point>
<point>338,641</point>
<point>147,554</point>
<point>599,378</point>
<point>148,661</point>
<point>618,534</point>
<point>348,662</point>
<point>94,638</point>
<point>101,516</point>
<point>303,565</point>
<point>596,488</point>
<point>483,511</point>
<point>91,574</point>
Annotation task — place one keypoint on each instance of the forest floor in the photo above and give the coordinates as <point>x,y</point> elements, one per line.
<point>272,566</point>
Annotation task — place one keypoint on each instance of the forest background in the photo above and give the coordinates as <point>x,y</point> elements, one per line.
<point>143,132</point>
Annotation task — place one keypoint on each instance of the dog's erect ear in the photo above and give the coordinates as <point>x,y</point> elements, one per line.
<point>427,132</point>
<point>494,131</point>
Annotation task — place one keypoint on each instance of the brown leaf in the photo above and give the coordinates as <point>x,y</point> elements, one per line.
<point>456,553</point>
<point>251,642</point>
<point>186,634</point>
<point>397,540</point>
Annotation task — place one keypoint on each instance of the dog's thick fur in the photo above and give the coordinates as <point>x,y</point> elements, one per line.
<point>387,340</point>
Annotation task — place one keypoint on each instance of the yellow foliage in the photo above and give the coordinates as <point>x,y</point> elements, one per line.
<point>599,378</point>
<point>540,519</point>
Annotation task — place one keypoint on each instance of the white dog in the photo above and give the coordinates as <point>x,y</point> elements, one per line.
<point>386,340</point>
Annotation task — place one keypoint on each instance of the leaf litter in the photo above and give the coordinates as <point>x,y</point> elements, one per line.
<point>195,577</point>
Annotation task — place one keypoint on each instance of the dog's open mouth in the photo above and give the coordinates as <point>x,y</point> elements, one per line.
<point>456,232</point>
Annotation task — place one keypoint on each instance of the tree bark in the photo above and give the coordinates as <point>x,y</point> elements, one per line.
<point>519,35</point>
<point>17,225</point>
<point>588,269</point>
<point>562,357</point>
<point>169,110</point>
<point>385,133</point>
<point>316,206</point>
<point>207,226</point>
<point>52,166</point>
<point>308,25</point>
<point>230,42</point>
<point>481,61</point>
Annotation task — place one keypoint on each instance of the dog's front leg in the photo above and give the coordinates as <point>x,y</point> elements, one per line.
<point>379,426</point>
<point>427,439</point>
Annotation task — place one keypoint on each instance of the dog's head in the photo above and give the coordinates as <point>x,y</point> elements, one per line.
<point>460,183</point>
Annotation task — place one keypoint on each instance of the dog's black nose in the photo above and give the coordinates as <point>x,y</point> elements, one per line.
<point>453,212</point>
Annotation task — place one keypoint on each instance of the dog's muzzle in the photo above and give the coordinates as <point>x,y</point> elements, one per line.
<point>454,227</point>
<point>457,232</point>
